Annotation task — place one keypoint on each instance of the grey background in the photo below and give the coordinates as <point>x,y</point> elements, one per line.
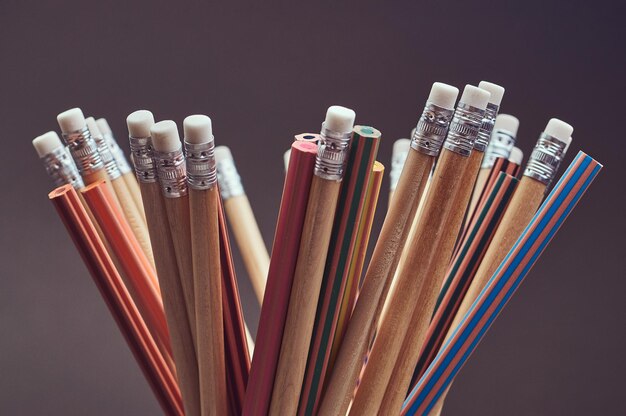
<point>265,72</point>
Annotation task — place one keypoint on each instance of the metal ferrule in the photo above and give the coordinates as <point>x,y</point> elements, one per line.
<point>84,151</point>
<point>172,173</point>
<point>118,154</point>
<point>464,129</point>
<point>201,169</point>
<point>332,154</point>
<point>110,165</point>
<point>228,179</point>
<point>141,153</point>
<point>484,133</point>
<point>545,159</point>
<point>62,169</point>
<point>397,163</point>
<point>431,129</point>
<point>501,143</point>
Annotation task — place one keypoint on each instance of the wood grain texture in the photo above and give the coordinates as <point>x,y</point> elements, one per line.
<point>481,182</point>
<point>423,249</point>
<point>180,229</point>
<point>135,192</point>
<point>250,242</point>
<point>377,280</point>
<point>432,282</point>
<point>205,244</point>
<point>183,346</point>
<point>304,296</point>
<point>133,216</point>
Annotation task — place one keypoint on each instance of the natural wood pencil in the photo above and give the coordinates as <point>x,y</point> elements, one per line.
<point>205,244</point>
<point>426,144</point>
<point>325,186</point>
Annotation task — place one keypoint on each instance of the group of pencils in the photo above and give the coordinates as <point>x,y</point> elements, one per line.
<point>464,225</point>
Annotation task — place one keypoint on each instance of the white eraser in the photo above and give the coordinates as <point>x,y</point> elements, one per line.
<point>222,153</point>
<point>443,95</point>
<point>400,146</point>
<point>516,156</point>
<point>507,122</point>
<point>286,158</point>
<point>560,130</point>
<point>103,125</point>
<point>93,127</point>
<point>475,97</point>
<point>496,91</point>
<point>139,123</point>
<point>165,138</point>
<point>197,129</point>
<point>340,119</point>
<point>71,120</point>
<point>47,143</point>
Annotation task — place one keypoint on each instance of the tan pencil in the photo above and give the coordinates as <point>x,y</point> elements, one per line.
<point>399,153</point>
<point>329,169</point>
<point>205,245</point>
<point>540,171</point>
<point>241,219</point>
<point>426,143</point>
<point>414,276</point>
<point>171,171</point>
<point>183,346</point>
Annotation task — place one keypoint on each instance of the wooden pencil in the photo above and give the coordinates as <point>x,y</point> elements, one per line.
<point>280,277</point>
<point>242,222</point>
<point>399,153</point>
<point>427,140</point>
<point>205,245</point>
<point>325,186</point>
<point>440,222</point>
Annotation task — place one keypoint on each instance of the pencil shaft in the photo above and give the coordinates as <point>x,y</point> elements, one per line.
<point>387,251</point>
<point>135,192</point>
<point>304,296</point>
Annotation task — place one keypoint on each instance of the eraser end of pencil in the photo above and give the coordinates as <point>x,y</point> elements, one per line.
<point>443,95</point>
<point>560,130</point>
<point>93,127</point>
<point>340,119</point>
<point>507,122</point>
<point>103,125</point>
<point>400,146</point>
<point>222,153</point>
<point>71,120</point>
<point>496,91</point>
<point>197,129</point>
<point>47,143</point>
<point>139,123</point>
<point>475,97</point>
<point>516,156</point>
<point>165,138</point>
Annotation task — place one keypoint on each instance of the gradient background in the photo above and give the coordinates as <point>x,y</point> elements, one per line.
<point>264,73</point>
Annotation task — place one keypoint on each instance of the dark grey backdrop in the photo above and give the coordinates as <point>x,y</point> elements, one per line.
<point>264,73</point>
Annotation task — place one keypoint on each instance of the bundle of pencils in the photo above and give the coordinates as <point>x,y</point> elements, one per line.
<point>335,337</point>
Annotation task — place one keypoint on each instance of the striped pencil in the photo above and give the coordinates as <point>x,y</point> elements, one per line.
<point>503,284</point>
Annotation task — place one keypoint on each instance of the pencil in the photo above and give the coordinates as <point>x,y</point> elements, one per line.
<point>429,135</point>
<point>280,277</point>
<point>399,153</point>
<point>307,281</point>
<point>205,245</point>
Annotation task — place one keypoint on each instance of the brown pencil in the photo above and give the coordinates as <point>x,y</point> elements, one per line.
<point>329,171</point>
<point>426,143</point>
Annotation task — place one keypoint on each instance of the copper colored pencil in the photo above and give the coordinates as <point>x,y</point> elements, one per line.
<point>160,377</point>
<point>279,281</point>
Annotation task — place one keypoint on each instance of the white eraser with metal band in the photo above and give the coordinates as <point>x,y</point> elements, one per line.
<point>560,130</point>
<point>139,123</point>
<point>443,95</point>
<point>508,123</point>
<point>71,120</point>
<point>516,156</point>
<point>475,97</point>
<point>340,119</point>
<point>496,91</point>
<point>47,143</point>
<point>197,129</point>
<point>165,138</point>
<point>103,125</point>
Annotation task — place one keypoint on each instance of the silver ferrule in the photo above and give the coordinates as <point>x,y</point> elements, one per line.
<point>464,129</point>
<point>141,154</point>
<point>431,129</point>
<point>62,169</point>
<point>545,159</point>
<point>201,169</point>
<point>84,151</point>
<point>332,154</point>
<point>397,163</point>
<point>484,133</point>
<point>118,154</point>
<point>228,179</point>
<point>110,165</point>
<point>501,143</point>
<point>172,173</point>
